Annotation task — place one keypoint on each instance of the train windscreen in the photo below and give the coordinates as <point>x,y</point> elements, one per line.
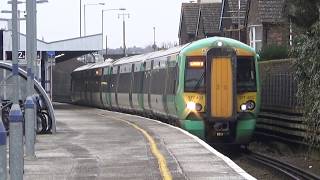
<point>195,75</point>
<point>246,74</point>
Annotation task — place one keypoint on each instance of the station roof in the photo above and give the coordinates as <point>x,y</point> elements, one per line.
<point>67,48</point>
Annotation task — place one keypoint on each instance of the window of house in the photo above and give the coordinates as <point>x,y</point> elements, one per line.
<point>255,36</point>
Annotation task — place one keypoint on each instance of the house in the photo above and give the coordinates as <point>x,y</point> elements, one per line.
<point>233,19</point>
<point>199,20</point>
<point>188,22</point>
<point>208,20</point>
<point>268,24</point>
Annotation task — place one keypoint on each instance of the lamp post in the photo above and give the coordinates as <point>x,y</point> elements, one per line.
<point>102,21</point>
<point>124,31</point>
<point>84,14</point>
<point>18,25</point>
<point>31,35</point>
<point>154,39</point>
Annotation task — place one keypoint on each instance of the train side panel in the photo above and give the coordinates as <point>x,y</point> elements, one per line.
<point>124,86</point>
<point>138,74</point>
<point>158,85</point>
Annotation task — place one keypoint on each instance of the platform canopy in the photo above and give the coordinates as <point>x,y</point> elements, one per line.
<point>64,49</point>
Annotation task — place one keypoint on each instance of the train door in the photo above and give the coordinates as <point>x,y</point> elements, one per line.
<point>113,86</point>
<point>86,89</point>
<point>100,80</point>
<point>83,86</point>
<point>158,84</point>
<point>91,86</point>
<point>117,85</point>
<point>131,85</point>
<point>104,87</point>
<point>220,90</point>
<point>171,86</point>
<point>146,87</point>
<point>149,86</point>
<point>167,86</point>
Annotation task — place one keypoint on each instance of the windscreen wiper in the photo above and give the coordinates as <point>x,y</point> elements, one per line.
<point>199,82</point>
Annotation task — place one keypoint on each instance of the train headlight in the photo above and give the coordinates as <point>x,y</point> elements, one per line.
<point>243,107</point>
<point>251,105</point>
<point>198,107</point>
<point>191,106</point>
<point>219,43</point>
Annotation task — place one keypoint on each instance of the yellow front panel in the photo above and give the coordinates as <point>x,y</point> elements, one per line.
<point>245,97</point>
<point>221,88</point>
<point>196,98</point>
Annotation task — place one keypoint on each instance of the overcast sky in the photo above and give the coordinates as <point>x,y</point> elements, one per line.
<point>60,19</point>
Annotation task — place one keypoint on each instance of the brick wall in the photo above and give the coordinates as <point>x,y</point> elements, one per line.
<point>276,34</point>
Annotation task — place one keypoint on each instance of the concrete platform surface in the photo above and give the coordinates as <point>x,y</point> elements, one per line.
<point>98,144</point>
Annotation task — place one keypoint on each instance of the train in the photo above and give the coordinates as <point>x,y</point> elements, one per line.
<point>209,87</point>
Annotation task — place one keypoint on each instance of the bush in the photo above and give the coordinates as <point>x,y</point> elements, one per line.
<point>274,51</point>
<point>307,51</point>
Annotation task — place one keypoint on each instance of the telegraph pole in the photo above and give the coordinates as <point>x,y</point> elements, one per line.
<point>124,31</point>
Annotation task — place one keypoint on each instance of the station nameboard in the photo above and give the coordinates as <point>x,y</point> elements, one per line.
<point>21,55</point>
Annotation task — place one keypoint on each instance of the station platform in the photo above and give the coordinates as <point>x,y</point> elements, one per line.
<point>98,144</point>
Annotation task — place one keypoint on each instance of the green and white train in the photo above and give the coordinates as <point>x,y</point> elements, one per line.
<point>209,87</point>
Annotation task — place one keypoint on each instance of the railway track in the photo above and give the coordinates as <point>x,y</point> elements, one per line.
<point>288,170</point>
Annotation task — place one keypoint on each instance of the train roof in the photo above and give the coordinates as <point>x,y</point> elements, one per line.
<point>149,56</point>
<point>107,62</point>
<point>84,67</point>
<point>132,59</point>
<point>167,51</point>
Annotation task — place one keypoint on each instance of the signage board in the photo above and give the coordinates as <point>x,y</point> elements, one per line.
<point>21,55</point>
<point>51,54</point>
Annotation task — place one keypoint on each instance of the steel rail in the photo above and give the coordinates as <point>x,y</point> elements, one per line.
<point>285,168</point>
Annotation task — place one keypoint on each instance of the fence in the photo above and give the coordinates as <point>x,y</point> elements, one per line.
<point>278,87</point>
<point>281,112</point>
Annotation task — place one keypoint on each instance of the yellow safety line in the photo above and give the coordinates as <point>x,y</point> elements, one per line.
<point>164,170</point>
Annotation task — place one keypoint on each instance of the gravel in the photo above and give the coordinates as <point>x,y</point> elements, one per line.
<point>291,154</point>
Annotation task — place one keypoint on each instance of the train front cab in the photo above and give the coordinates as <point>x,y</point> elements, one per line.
<point>220,94</point>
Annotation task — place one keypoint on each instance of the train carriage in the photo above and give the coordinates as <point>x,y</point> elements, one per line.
<point>218,96</point>
<point>209,87</point>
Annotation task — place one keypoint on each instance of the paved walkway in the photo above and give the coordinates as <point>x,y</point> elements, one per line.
<point>98,144</point>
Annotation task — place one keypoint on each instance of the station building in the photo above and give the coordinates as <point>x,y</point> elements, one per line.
<point>55,60</point>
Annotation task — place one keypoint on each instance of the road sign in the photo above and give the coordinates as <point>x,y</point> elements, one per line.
<point>51,54</point>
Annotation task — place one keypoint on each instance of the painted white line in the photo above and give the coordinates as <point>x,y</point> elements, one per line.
<point>231,164</point>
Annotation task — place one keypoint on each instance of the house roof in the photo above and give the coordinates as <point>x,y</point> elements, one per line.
<point>271,11</point>
<point>210,16</point>
<point>189,14</point>
<point>234,7</point>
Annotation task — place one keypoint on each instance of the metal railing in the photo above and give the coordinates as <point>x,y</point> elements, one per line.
<point>281,113</point>
<point>278,87</point>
